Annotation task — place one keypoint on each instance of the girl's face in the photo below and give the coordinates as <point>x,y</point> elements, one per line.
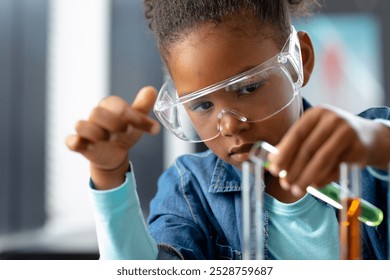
<point>213,53</point>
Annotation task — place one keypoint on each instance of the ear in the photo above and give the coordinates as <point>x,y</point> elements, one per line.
<point>307,52</point>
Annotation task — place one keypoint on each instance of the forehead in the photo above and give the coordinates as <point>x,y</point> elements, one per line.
<point>212,53</point>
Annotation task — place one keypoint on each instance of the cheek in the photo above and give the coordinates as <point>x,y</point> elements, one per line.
<point>287,118</point>
<point>273,129</point>
<point>218,148</point>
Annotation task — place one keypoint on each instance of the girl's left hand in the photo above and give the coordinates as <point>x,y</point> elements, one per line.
<point>311,151</point>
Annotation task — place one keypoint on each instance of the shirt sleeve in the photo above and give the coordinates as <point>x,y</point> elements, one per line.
<point>378,173</point>
<point>120,225</point>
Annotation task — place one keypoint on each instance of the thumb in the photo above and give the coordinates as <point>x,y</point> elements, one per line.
<point>145,99</point>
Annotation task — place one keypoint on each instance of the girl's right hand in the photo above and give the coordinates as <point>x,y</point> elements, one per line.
<point>113,127</point>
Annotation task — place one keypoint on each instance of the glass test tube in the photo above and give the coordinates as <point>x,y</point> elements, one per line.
<point>370,214</point>
<point>350,227</point>
<point>252,203</point>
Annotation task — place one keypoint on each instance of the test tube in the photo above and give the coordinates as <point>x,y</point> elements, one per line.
<point>350,227</point>
<point>252,203</point>
<point>370,214</point>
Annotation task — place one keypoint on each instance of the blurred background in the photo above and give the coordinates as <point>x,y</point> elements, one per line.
<point>58,58</point>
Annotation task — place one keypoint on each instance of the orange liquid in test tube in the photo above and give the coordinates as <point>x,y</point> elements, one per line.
<point>350,226</point>
<point>350,230</point>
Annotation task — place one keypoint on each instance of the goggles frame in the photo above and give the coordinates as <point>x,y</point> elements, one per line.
<point>289,58</point>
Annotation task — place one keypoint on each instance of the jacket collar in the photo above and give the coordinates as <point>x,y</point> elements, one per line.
<point>225,178</point>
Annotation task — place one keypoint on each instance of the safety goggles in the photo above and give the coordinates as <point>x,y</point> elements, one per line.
<point>252,96</point>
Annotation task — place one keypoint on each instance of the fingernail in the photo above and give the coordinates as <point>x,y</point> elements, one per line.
<point>284,185</point>
<point>282,174</point>
<point>296,190</point>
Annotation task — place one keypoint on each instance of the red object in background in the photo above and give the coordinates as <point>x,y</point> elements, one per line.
<point>332,66</point>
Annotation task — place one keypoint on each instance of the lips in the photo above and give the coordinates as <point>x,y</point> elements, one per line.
<point>244,148</point>
<point>240,153</point>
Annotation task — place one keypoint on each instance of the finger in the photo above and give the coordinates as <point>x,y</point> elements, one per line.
<point>107,120</point>
<point>332,176</point>
<point>91,132</point>
<point>141,121</point>
<point>291,142</point>
<point>326,159</point>
<point>145,99</point>
<point>321,132</point>
<point>126,139</point>
<point>135,114</point>
<point>76,143</point>
<point>144,102</point>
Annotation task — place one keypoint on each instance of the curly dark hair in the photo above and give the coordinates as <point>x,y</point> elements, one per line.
<point>170,20</point>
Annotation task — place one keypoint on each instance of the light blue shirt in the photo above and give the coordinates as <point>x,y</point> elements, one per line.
<point>120,226</point>
<point>303,230</point>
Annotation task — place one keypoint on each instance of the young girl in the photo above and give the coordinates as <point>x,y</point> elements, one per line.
<point>236,69</point>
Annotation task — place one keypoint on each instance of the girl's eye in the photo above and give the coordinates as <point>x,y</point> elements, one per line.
<point>201,106</point>
<point>249,88</point>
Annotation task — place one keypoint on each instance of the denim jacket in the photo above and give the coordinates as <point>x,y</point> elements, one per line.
<point>196,213</point>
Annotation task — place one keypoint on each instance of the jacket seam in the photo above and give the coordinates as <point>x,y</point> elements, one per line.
<point>220,169</point>
<point>184,195</point>
<point>233,251</point>
<point>169,250</point>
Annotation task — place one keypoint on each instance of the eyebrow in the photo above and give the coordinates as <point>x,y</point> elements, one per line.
<point>244,69</point>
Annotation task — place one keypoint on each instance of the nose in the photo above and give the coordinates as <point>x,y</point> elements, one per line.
<point>231,122</point>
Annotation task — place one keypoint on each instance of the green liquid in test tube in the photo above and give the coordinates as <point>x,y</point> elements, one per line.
<point>370,214</point>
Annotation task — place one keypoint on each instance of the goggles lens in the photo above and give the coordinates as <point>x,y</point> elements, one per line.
<point>259,93</point>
